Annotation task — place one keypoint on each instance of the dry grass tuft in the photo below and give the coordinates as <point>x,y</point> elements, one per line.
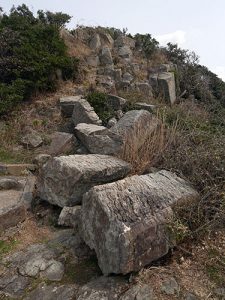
<point>144,147</point>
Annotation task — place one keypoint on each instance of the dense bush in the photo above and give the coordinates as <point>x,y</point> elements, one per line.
<point>31,51</point>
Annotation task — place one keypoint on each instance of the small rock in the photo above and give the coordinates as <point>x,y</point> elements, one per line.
<point>145,106</point>
<point>128,77</point>
<point>32,140</point>
<point>139,292</point>
<point>112,122</point>
<point>41,159</point>
<point>220,292</point>
<point>69,216</point>
<point>190,296</point>
<point>54,272</point>
<point>9,184</point>
<point>170,287</point>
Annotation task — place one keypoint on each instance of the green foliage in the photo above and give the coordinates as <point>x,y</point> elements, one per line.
<point>31,51</point>
<point>99,102</point>
<point>147,43</point>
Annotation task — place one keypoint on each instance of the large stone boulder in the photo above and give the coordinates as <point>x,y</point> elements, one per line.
<point>83,112</point>
<point>98,139</point>
<point>63,180</point>
<point>125,221</point>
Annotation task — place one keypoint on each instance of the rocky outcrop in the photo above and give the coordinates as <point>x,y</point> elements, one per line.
<point>63,180</point>
<point>83,112</point>
<point>125,221</point>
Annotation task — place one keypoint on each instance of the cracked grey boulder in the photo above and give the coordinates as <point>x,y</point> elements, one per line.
<point>83,112</point>
<point>95,42</point>
<point>125,221</point>
<point>63,180</point>
<point>98,139</point>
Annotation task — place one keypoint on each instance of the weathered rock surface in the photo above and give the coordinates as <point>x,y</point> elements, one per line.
<point>145,106</point>
<point>116,102</point>
<point>12,210</point>
<point>139,292</point>
<point>67,104</point>
<point>16,169</point>
<point>97,139</point>
<point>83,112</point>
<point>70,216</point>
<point>37,260</point>
<point>125,221</point>
<point>135,122</point>
<point>106,56</point>
<point>164,84</point>
<point>32,140</point>
<point>63,180</point>
<point>41,159</point>
<point>62,143</point>
<point>104,288</point>
<point>53,292</point>
<point>9,184</point>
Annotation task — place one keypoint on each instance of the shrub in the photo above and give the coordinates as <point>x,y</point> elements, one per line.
<point>29,59</point>
<point>99,102</point>
<point>147,43</point>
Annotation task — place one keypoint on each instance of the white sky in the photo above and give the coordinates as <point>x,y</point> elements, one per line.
<point>197,25</point>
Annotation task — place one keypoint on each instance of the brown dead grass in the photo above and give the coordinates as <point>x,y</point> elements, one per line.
<point>190,271</point>
<point>41,114</point>
<point>144,147</point>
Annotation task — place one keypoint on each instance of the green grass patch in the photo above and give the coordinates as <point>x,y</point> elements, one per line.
<point>6,247</point>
